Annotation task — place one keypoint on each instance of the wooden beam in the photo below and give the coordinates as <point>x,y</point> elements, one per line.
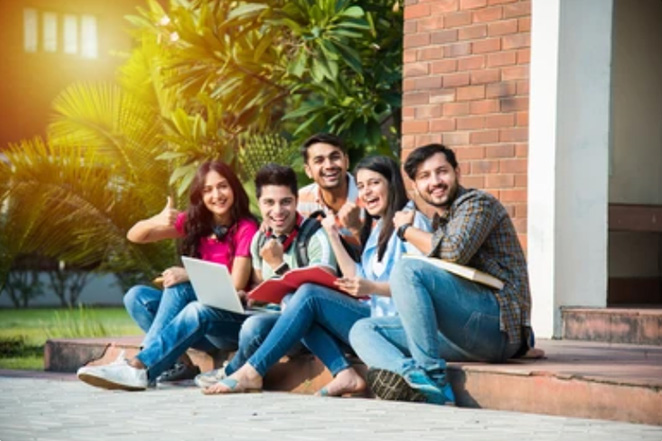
<point>635,217</point>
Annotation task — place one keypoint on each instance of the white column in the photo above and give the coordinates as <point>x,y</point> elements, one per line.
<point>568,157</point>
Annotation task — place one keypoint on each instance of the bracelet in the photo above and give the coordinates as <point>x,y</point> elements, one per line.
<point>282,269</point>
<point>401,231</point>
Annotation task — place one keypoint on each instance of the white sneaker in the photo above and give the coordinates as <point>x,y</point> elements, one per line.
<point>116,375</point>
<point>210,378</point>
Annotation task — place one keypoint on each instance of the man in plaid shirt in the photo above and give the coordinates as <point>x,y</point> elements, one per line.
<point>443,317</point>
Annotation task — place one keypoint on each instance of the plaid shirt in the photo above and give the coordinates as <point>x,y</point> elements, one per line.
<point>476,231</point>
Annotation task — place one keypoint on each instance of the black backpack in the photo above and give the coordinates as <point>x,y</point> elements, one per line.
<point>307,229</point>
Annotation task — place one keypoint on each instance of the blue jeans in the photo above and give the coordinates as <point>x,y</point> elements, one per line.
<point>251,336</point>
<point>321,318</point>
<point>193,323</point>
<point>441,318</point>
<point>153,309</point>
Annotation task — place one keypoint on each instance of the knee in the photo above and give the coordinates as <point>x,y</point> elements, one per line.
<point>133,297</point>
<point>360,330</point>
<point>193,312</point>
<point>180,290</point>
<point>306,290</point>
<point>256,327</point>
<point>408,274</point>
<point>304,294</point>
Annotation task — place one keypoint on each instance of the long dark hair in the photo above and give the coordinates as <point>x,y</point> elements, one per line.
<point>199,220</point>
<point>397,199</point>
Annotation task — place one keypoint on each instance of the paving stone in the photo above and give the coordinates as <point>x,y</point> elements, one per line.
<point>44,409</point>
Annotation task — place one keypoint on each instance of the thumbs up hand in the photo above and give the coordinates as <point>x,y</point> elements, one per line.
<point>168,215</point>
<point>158,227</point>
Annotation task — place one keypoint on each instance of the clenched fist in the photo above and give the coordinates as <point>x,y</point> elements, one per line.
<point>403,217</point>
<point>349,216</point>
<point>272,253</point>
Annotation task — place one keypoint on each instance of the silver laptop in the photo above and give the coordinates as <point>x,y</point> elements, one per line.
<point>213,285</point>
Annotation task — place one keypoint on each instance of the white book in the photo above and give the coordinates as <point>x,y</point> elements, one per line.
<point>462,271</point>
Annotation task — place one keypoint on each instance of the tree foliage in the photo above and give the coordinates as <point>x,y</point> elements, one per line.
<point>244,82</point>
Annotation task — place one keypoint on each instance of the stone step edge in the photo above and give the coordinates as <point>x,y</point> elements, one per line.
<point>613,311</point>
<point>478,385</point>
<point>208,362</point>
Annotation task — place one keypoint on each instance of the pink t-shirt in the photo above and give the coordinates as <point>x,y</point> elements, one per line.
<point>232,245</point>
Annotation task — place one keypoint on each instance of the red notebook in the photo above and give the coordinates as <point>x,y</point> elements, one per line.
<point>273,290</point>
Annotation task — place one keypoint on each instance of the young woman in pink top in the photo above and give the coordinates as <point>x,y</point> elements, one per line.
<point>218,227</point>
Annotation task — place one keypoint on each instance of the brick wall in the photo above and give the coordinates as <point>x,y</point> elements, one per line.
<point>466,84</point>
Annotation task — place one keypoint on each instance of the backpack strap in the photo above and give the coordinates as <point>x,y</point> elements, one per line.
<point>261,240</point>
<point>307,229</point>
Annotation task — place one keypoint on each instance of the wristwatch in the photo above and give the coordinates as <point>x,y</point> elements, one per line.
<point>401,231</point>
<point>282,269</point>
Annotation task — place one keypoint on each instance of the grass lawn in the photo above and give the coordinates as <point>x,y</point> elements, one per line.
<point>23,332</point>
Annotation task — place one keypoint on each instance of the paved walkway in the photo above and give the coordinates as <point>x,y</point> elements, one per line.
<point>51,409</point>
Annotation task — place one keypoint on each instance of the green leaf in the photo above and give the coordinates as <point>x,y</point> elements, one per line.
<point>181,172</point>
<point>351,57</point>
<point>307,123</point>
<point>353,11</point>
<point>247,10</point>
<point>167,156</point>
<point>303,110</point>
<point>299,65</point>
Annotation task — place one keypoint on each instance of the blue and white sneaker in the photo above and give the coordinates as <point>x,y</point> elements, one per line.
<point>415,385</point>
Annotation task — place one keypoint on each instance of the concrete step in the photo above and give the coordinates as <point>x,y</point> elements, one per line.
<point>302,374</point>
<point>613,325</point>
<point>578,379</point>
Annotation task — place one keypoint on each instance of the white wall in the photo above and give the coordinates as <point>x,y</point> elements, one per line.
<point>568,157</point>
<point>100,290</point>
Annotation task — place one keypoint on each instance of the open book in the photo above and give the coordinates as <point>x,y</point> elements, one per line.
<point>462,271</point>
<point>273,290</point>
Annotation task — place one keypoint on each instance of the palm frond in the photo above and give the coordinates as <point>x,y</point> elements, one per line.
<point>66,204</point>
<point>121,131</point>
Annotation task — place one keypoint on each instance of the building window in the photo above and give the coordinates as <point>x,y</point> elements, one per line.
<point>70,34</point>
<point>30,30</point>
<point>89,48</point>
<point>49,31</point>
<point>79,35</point>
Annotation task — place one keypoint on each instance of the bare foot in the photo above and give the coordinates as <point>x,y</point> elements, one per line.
<point>347,381</point>
<point>246,379</point>
<point>534,353</point>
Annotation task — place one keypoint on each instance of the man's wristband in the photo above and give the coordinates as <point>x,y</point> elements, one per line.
<point>282,269</point>
<point>401,231</point>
